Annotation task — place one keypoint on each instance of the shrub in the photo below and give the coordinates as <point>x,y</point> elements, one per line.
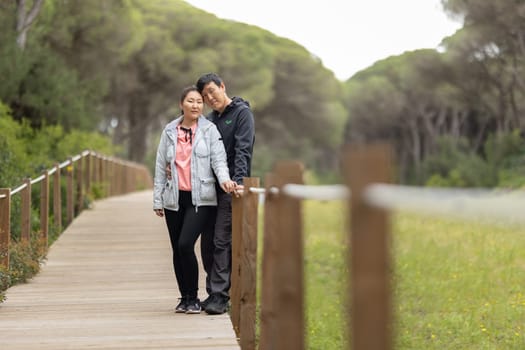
<point>5,282</point>
<point>25,258</point>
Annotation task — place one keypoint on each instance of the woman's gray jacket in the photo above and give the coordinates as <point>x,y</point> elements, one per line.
<point>207,157</point>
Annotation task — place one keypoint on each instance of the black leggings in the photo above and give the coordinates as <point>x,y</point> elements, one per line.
<point>184,227</point>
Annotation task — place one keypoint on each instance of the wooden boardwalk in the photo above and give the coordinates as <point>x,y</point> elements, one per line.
<point>108,283</point>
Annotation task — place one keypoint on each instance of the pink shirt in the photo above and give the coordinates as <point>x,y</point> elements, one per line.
<point>183,157</point>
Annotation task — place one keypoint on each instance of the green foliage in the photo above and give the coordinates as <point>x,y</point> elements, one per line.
<point>26,151</point>
<point>5,282</point>
<point>13,155</point>
<point>77,141</point>
<point>40,87</point>
<point>98,190</point>
<point>455,165</point>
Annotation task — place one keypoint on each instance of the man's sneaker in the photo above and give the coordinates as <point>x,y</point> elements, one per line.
<point>206,301</point>
<point>217,306</point>
<point>183,305</point>
<point>193,307</point>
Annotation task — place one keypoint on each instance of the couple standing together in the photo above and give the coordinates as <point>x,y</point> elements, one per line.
<point>200,162</point>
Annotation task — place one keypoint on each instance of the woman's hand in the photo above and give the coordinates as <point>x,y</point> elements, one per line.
<point>159,212</point>
<point>228,186</point>
<point>168,171</point>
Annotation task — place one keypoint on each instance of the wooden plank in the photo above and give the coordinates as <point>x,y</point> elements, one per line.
<point>369,258</point>
<point>108,283</point>
<point>250,203</point>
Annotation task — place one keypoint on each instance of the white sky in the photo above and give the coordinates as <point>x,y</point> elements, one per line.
<point>347,35</point>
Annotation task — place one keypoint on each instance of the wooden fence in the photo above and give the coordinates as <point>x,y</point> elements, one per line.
<point>281,318</point>
<point>83,174</point>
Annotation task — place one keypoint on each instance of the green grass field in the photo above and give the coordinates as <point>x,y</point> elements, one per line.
<point>456,284</point>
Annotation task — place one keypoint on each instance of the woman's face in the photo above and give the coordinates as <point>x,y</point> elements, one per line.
<point>192,105</point>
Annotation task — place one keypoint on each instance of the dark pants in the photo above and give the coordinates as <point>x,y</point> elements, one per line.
<point>184,227</point>
<point>216,248</point>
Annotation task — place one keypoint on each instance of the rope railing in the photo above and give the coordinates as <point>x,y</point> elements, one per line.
<point>482,204</point>
<point>317,192</point>
<point>40,178</point>
<point>18,189</point>
<point>64,164</point>
<point>488,205</point>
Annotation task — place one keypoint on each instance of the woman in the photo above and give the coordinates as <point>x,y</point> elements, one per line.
<point>192,147</point>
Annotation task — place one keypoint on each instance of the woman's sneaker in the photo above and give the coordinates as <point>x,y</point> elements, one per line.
<point>183,305</point>
<point>193,307</point>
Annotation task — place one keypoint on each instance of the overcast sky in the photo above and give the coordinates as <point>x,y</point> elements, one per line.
<point>346,35</point>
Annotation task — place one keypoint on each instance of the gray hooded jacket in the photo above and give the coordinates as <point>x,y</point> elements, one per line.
<point>207,157</point>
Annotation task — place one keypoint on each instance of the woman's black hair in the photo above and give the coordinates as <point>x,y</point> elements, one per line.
<point>185,93</point>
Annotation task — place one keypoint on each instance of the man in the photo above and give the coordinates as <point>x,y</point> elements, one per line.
<point>234,119</point>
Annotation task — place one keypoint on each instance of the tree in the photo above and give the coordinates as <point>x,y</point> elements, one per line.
<point>24,20</point>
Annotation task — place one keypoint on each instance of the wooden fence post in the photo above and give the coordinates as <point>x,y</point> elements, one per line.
<point>44,207</point>
<point>96,169</point>
<point>80,187</point>
<point>289,265</point>
<point>57,199</point>
<point>105,169</point>
<point>369,257</point>
<point>69,192</point>
<point>250,203</point>
<point>237,243</point>
<point>5,226</point>
<point>25,224</point>
<point>87,173</point>
<point>267,340</point>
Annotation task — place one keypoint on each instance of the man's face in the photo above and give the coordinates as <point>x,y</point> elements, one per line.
<point>214,96</point>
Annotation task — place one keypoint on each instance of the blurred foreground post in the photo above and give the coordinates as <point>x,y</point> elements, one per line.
<point>369,255</point>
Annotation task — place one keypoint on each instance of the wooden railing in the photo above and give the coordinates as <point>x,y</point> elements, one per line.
<point>84,173</point>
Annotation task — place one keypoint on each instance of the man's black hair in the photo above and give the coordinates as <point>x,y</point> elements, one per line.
<point>206,79</point>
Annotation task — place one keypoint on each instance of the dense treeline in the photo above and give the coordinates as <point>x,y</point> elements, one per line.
<point>455,117</point>
<point>119,66</point>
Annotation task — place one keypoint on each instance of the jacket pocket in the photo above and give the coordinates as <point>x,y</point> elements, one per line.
<point>168,196</point>
<point>207,189</point>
